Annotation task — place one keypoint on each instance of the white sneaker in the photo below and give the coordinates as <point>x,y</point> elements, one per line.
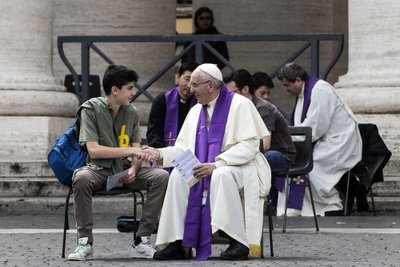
<point>289,213</point>
<point>83,251</point>
<point>293,212</point>
<point>143,250</point>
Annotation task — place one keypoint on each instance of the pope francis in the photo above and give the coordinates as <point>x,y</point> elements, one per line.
<point>224,131</point>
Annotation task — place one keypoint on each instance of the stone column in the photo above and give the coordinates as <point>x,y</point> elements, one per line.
<point>372,85</point>
<point>119,17</point>
<point>34,107</point>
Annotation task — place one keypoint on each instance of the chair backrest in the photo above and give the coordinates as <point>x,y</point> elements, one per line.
<point>94,85</point>
<point>373,168</point>
<point>302,139</point>
<point>375,152</point>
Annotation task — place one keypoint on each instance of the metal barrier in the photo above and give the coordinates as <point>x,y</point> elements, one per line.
<point>311,41</point>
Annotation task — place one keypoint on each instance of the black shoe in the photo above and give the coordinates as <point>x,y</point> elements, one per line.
<point>236,251</point>
<point>174,251</point>
<point>335,213</point>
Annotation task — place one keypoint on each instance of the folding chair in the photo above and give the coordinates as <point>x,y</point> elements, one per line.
<point>302,139</point>
<point>359,172</point>
<point>112,192</point>
<point>369,170</point>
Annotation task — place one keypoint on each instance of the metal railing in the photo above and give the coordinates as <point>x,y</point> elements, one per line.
<point>311,41</point>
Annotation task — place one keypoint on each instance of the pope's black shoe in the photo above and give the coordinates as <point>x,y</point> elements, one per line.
<point>174,251</point>
<point>335,213</point>
<point>236,251</point>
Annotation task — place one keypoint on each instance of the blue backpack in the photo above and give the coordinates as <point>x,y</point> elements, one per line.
<point>67,155</point>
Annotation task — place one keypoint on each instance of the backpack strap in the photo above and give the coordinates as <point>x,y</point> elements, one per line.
<point>76,124</point>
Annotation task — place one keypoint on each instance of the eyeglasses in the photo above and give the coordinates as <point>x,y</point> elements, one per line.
<point>195,85</point>
<point>204,18</point>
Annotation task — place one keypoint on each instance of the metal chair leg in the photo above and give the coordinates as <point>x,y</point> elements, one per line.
<point>372,201</point>
<point>135,204</point>
<point>270,214</point>
<point>262,245</point>
<point>66,223</point>
<point>270,226</point>
<point>287,185</point>
<point>347,193</point>
<point>312,204</point>
<point>134,215</point>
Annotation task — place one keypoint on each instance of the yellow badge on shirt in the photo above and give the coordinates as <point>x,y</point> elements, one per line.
<point>123,138</point>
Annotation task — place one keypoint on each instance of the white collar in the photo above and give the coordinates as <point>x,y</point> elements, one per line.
<point>301,95</point>
<point>213,102</point>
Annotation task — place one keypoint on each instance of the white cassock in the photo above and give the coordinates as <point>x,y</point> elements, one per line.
<point>241,171</point>
<point>338,148</point>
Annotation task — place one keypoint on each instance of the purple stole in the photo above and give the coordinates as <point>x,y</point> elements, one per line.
<point>296,194</point>
<point>172,118</point>
<point>172,115</point>
<point>197,232</point>
<point>309,83</point>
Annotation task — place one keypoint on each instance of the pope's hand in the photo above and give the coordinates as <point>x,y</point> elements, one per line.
<point>150,154</point>
<point>203,170</point>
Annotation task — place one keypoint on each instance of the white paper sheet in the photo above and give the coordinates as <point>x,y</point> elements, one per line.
<point>184,163</point>
<point>113,180</point>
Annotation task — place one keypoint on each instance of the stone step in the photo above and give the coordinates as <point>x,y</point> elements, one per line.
<point>386,205</point>
<point>25,169</point>
<point>390,187</point>
<point>32,187</point>
<point>124,205</point>
<point>28,186</point>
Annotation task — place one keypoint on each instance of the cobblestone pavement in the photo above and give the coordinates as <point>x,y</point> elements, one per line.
<point>35,240</point>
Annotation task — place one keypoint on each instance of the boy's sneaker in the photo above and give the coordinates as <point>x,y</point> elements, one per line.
<point>83,251</point>
<point>144,249</point>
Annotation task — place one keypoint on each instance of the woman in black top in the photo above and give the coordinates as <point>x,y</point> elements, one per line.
<point>204,24</point>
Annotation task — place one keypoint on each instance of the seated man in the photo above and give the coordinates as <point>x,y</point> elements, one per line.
<point>109,128</point>
<point>336,138</point>
<point>279,149</point>
<point>224,131</point>
<point>263,85</point>
<point>169,110</point>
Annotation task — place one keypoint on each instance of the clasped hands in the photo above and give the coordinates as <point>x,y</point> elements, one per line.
<point>151,154</point>
<point>145,153</point>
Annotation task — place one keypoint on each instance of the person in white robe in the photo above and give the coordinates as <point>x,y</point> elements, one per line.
<point>240,175</point>
<point>335,135</point>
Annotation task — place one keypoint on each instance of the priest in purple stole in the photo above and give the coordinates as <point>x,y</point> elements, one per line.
<point>169,110</point>
<point>335,135</point>
<point>296,193</point>
<point>223,130</point>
